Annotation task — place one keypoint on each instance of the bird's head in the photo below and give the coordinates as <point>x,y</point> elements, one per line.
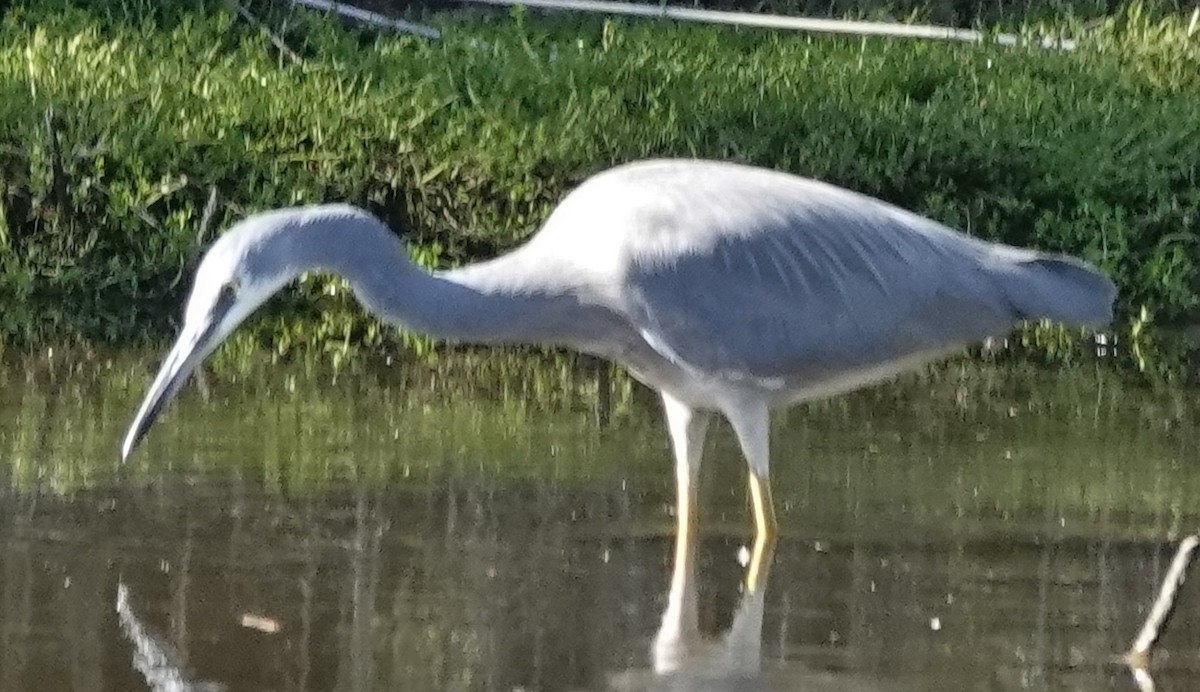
<point>248,264</point>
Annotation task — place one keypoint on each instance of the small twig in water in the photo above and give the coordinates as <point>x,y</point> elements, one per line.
<point>369,17</point>
<point>1143,679</point>
<point>275,38</point>
<point>1138,656</point>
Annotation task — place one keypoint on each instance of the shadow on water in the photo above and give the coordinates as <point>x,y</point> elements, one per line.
<point>971,528</point>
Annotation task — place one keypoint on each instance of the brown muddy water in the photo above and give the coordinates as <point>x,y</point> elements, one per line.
<point>974,527</point>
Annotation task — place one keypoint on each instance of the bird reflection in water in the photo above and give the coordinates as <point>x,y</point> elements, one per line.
<point>683,659</point>
<point>154,658</point>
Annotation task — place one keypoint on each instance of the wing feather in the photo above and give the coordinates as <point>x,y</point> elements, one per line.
<point>784,277</point>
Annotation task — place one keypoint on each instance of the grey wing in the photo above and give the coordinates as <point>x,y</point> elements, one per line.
<point>811,291</point>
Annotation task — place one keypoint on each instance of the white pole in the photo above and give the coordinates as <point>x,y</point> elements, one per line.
<point>369,17</point>
<point>775,21</point>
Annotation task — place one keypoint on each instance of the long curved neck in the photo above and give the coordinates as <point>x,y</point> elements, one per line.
<point>502,300</point>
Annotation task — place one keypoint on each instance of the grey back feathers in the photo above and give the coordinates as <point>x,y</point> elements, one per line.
<point>754,273</point>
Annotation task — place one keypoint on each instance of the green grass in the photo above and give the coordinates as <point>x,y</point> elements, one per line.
<point>466,143</point>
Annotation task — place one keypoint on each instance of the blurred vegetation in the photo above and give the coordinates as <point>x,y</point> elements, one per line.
<point>966,446</point>
<point>117,120</point>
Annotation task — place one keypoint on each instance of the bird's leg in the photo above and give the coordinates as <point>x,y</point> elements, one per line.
<point>766,529</point>
<point>680,628</point>
<point>751,422</point>
<point>687,428</point>
<point>763,504</point>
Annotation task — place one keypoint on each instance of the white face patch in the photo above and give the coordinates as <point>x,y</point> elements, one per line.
<point>219,289</point>
<point>215,273</point>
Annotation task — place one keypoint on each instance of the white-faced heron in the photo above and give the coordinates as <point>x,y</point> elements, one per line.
<point>727,288</point>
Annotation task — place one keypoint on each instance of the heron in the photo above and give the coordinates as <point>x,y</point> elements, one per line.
<point>731,289</point>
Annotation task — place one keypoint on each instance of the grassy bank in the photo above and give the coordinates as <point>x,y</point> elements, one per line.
<point>115,126</point>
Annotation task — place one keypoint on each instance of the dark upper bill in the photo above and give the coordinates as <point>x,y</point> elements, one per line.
<point>193,344</point>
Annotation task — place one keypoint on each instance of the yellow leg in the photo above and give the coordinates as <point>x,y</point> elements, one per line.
<point>760,563</point>
<point>764,506</point>
<point>767,527</point>
<point>687,427</point>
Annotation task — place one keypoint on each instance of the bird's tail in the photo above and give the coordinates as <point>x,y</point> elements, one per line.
<point>1058,287</point>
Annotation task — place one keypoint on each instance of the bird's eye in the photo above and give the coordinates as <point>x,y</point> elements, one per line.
<point>228,294</point>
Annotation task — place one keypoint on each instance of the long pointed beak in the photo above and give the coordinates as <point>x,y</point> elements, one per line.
<point>190,348</point>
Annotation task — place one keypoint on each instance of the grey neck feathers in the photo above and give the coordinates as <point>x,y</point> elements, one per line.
<point>495,301</point>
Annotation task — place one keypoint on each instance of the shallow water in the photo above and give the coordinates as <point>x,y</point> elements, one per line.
<point>970,528</point>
